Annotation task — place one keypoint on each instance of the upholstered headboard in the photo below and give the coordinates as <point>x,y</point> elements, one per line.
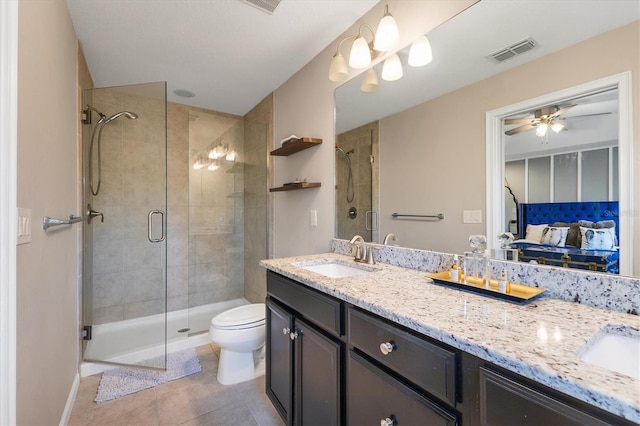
<point>539,213</point>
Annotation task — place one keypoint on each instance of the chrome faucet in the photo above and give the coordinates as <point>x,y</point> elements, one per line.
<point>388,237</point>
<point>360,248</point>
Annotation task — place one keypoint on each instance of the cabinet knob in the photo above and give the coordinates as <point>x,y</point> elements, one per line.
<point>387,347</point>
<point>286,331</point>
<point>389,421</point>
<point>294,335</point>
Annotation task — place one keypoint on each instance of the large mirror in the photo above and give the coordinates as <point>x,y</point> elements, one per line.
<point>427,132</point>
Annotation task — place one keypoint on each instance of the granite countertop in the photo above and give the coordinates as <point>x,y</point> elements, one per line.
<point>538,339</point>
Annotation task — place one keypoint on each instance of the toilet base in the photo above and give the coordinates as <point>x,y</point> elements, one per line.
<point>237,367</point>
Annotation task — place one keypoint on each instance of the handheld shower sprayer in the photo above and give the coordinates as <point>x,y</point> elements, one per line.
<point>103,121</point>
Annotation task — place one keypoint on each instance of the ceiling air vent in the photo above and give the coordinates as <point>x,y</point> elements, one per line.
<point>268,6</point>
<point>513,50</point>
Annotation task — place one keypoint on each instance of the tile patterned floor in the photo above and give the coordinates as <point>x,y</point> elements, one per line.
<point>194,400</point>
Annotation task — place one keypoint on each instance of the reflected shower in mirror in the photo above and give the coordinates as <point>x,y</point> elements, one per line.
<point>432,123</point>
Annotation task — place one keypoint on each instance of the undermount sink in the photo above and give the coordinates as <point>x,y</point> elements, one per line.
<point>616,349</point>
<point>333,269</point>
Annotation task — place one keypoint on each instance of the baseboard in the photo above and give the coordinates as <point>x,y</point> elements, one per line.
<point>66,414</point>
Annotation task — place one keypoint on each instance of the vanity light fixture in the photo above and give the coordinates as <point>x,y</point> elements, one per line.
<point>213,165</point>
<point>360,56</point>
<point>369,81</point>
<point>219,151</point>
<point>387,35</point>
<point>392,68</point>
<point>420,53</point>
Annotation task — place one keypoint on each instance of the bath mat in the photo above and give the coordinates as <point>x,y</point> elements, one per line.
<point>122,381</point>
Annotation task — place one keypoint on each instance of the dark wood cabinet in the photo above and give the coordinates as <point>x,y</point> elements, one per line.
<point>305,362</point>
<point>375,397</point>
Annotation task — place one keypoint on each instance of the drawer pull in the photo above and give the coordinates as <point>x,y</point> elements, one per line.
<point>286,331</point>
<point>389,421</point>
<point>387,347</point>
<point>294,335</point>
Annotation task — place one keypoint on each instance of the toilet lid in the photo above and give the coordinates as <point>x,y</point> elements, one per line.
<point>242,315</point>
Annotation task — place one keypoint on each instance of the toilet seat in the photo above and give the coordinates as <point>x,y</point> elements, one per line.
<point>246,316</point>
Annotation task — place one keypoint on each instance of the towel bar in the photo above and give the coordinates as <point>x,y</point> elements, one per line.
<point>431,216</point>
<point>48,222</point>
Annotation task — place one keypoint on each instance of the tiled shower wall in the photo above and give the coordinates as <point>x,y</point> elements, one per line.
<point>363,141</point>
<point>258,136</point>
<point>127,268</point>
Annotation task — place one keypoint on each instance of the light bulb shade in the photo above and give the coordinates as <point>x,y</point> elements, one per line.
<point>199,163</point>
<point>387,36</point>
<point>214,165</point>
<point>557,127</point>
<point>338,70</point>
<point>541,130</point>
<point>420,53</point>
<point>369,81</point>
<point>231,155</point>
<point>218,151</point>
<point>392,68</point>
<point>360,56</point>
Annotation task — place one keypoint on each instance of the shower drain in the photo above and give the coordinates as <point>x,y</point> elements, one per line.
<point>183,330</point>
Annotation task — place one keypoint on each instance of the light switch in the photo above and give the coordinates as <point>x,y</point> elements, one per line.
<point>24,226</point>
<point>472,216</point>
<point>313,218</point>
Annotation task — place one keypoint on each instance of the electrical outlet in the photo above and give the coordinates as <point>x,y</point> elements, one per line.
<point>313,218</point>
<point>24,226</point>
<point>472,216</point>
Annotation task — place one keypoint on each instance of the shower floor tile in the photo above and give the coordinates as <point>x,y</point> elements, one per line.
<point>193,400</point>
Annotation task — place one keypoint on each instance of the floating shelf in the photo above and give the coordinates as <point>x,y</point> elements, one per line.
<point>295,186</point>
<point>296,145</point>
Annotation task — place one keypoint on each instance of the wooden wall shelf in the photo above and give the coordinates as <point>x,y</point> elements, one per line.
<point>295,186</point>
<point>296,146</point>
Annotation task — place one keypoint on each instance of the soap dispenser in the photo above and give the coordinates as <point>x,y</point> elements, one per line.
<point>455,269</point>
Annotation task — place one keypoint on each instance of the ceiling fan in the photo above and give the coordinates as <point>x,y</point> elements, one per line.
<point>543,119</point>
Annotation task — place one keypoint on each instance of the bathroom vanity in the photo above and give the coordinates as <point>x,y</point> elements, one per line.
<point>388,346</point>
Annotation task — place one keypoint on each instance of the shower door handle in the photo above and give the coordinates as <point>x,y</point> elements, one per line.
<point>150,226</point>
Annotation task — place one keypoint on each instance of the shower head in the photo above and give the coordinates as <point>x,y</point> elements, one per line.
<point>128,114</point>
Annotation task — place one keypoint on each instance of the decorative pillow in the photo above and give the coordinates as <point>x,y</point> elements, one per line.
<point>573,236</point>
<point>597,239</point>
<point>534,232</point>
<point>555,236</point>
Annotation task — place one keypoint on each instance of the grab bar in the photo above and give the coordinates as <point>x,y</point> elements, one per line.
<point>48,222</point>
<point>431,216</point>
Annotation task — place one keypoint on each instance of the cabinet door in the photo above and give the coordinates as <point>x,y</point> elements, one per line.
<point>318,360</point>
<point>504,401</point>
<point>279,358</point>
<point>374,397</point>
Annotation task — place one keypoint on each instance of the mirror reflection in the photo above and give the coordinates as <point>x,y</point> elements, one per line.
<point>430,125</point>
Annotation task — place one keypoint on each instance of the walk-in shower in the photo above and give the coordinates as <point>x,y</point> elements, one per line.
<point>170,252</point>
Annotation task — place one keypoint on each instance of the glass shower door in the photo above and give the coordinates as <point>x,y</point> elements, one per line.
<point>124,236</point>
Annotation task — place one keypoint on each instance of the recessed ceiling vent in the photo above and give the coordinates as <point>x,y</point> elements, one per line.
<point>513,50</point>
<point>268,6</point>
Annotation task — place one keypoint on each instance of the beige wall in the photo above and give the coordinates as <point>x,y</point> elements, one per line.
<point>304,106</point>
<point>446,137</point>
<point>47,268</point>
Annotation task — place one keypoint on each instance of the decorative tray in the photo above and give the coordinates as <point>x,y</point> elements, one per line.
<point>519,293</point>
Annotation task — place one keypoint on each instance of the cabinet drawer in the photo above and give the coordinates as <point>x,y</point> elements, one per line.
<point>505,401</point>
<point>313,305</point>
<point>373,396</point>
<point>423,363</point>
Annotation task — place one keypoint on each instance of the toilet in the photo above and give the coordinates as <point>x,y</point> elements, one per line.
<point>240,333</point>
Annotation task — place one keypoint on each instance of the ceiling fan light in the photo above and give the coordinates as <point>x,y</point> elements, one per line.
<point>387,35</point>
<point>420,53</point>
<point>360,56</point>
<point>338,70</point>
<point>557,127</point>
<point>541,130</point>
<point>369,81</point>
<point>392,68</point>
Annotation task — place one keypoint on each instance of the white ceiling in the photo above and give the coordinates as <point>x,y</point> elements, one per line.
<point>229,53</point>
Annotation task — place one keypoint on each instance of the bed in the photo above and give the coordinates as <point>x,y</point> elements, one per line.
<point>547,235</point>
